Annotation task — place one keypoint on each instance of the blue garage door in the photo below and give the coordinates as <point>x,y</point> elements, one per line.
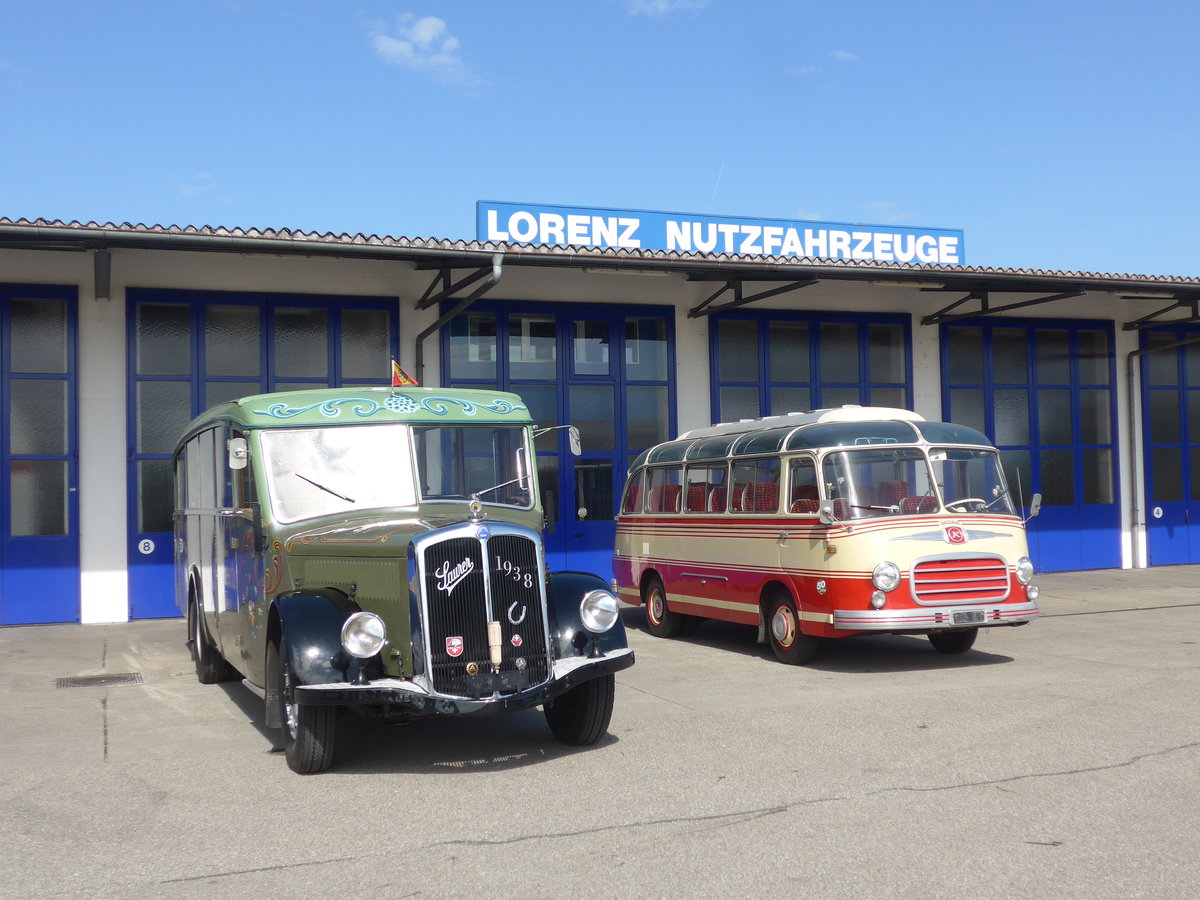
<point>188,351</point>
<point>39,515</point>
<point>1043,392</point>
<point>1171,429</point>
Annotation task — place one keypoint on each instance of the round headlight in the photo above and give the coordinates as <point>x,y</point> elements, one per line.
<point>363,635</point>
<point>878,600</point>
<point>1024,570</point>
<point>1032,591</point>
<point>886,576</point>
<point>598,610</point>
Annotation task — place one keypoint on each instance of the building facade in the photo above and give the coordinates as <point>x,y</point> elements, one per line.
<point>113,337</point>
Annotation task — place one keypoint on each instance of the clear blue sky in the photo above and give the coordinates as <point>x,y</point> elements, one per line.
<point>1056,134</point>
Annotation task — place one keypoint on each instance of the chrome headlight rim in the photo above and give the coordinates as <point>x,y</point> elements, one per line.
<point>363,635</point>
<point>1024,569</point>
<point>886,576</point>
<point>598,610</point>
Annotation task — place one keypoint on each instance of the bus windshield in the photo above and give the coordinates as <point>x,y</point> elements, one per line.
<point>876,482</point>
<point>457,461</point>
<point>971,480</point>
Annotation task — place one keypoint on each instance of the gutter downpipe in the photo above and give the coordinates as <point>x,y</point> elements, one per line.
<point>491,281</point>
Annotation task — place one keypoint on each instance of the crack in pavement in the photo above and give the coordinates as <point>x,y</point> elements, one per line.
<point>279,868</point>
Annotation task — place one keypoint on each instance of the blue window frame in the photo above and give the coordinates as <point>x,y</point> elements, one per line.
<point>766,364</point>
<point>189,350</point>
<point>1043,391</point>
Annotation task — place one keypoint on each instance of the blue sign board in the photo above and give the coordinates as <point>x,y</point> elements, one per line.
<point>526,223</point>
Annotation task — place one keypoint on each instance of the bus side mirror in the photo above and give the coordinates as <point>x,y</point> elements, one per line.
<point>1035,506</point>
<point>825,513</point>
<point>573,440</point>
<point>239,455</point>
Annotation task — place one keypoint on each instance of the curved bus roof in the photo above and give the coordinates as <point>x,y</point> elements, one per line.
<point>362,405</point>
<point>845,426</point>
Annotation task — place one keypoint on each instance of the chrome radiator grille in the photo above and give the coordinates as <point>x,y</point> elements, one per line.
<point>469,582</point>
<point>960,580</point>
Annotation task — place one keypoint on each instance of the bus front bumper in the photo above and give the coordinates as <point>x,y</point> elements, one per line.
<point>927,618</point>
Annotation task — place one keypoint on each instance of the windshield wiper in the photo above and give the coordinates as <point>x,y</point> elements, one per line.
<point>325,489</point>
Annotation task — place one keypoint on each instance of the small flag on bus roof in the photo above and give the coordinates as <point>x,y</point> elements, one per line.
<point>400,378</point>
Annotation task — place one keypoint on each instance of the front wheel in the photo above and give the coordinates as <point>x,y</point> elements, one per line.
<point>211,668</point>
<point>308,731</point>
<point>790,644</point>
<point>580,716</point>
<point>660,621</point>
<point>953,641</point>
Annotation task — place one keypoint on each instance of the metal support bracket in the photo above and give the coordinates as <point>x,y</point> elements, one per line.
<point>986,309</point>
<point>735,285</point>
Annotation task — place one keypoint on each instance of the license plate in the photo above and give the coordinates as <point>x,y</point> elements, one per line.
<point>966,617</point>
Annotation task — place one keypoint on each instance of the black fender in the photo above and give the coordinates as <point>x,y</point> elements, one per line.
<point>310,623</point>
<point>568,637</point>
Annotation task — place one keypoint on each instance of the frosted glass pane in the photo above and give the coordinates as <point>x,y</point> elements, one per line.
<point>231,340</point>
<point>1054,417</point>
<point>790,399</point>
<point>163,411</point>
<point>219,391</point>
<point>590,348</point>
<point>888,353</point>
<point>1010,356</point>
<point>155,495</point>
<point>473,346</point>
<point>967,408</point>
<point>1191,364</point>
<point>646,349</point>
<point>1053,356</point>
<point>164,339</point>
<point>38,416</point>
<point>1193,421</point>
<point>649,417</point>
<point>38,497</point>
<point>1058,477</point>
<point>737,351</point>
<point>301,343</point>
<point>1162,366</point>
<point>739,403</point>
<point>39,336</point>
<point>789,351</point>
<point>1194,457</point>
<point>593,412</point>
<point>897,398</point>
<point>840,396</point>
<point>366,344</point>
<point>1018,472</point>
<point>594,490</point>
<point>1167,474</point>
<point>1012,417</point>
<point>542,400</point>
<point>965,349</point>
<point>532,347</point>
<point>1095,417</point>
<point>1094,362</point>
<point>1098,476</point>
<point>1164,417</point>
<point>839,352</point>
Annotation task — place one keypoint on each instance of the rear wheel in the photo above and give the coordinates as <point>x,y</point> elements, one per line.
<point>660,621</point>
<point>783,631</point>
<point>580,716</point>
<point>308,731</point>
<point>211,668</point>
<point>953,641</point>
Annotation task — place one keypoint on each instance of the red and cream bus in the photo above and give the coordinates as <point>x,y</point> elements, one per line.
<point>826,524</point>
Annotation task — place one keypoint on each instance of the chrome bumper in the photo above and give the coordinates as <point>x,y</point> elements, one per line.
<point>927,618</point>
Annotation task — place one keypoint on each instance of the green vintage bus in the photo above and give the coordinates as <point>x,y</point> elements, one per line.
<point>380,549</point>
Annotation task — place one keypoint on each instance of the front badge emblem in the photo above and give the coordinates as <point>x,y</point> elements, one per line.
<point>454,646</point>
<point>516,640</point>
<point>955,535</point>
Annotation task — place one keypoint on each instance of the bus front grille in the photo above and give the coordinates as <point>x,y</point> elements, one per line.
<point>469,582</point>
<point>960,580</point>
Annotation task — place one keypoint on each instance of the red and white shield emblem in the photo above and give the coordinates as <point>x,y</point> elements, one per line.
<point>454,646</point>
<point>516,640</point>
<point>955,535</point>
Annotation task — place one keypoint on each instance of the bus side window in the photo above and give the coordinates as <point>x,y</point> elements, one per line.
<point>755,486</point>
<point>664,490</point>
<point>805,497</point>
<point>705,489</point>
<point>633,494</point>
